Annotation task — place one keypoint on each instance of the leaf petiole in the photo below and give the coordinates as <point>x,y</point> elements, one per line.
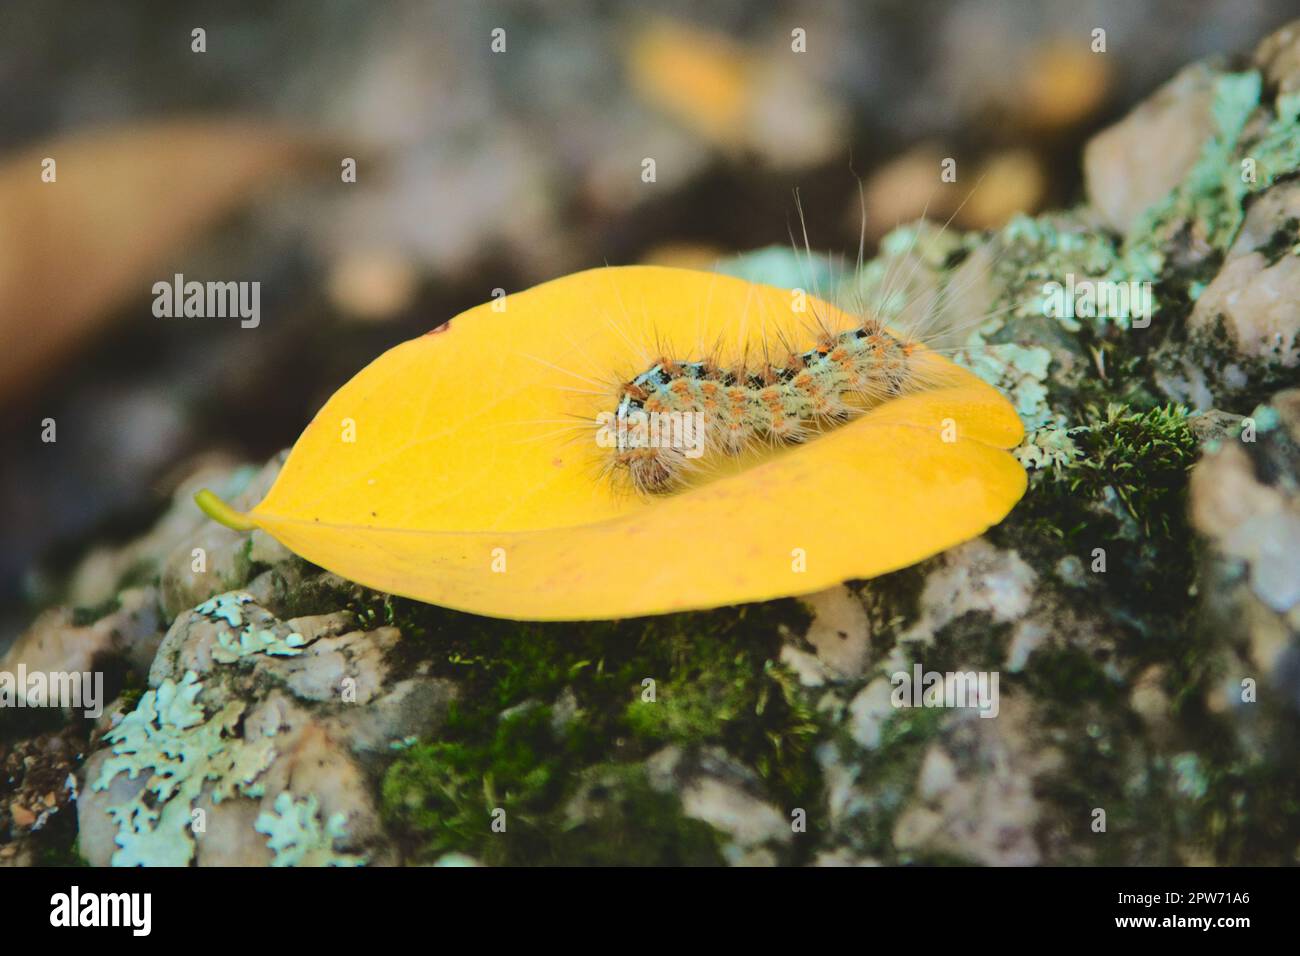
<point>222,513</point>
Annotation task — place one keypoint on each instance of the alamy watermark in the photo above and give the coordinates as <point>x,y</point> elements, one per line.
<point>640,429</point>
<point>75,690</point>
<point>209,300</point>
<point>1098,299</point>
<point>921,688</point>
<point>75,908</point>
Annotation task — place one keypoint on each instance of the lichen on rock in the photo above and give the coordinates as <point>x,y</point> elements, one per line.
<point>298,838</point>
<point>175,750</point>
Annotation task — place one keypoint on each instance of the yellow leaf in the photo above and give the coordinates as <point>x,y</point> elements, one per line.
<point>456,453</point>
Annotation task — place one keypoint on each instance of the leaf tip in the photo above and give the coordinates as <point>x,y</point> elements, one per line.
<point>222,513</point>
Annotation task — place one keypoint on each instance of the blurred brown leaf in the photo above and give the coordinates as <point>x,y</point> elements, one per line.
<point>74,250</point>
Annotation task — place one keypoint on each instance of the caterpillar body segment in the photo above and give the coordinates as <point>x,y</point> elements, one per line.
<point>777,401</point>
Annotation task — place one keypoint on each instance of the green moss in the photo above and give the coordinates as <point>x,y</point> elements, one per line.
<point>1119,477</point>
<point>85,616</point>
<point>626,822</point>
<point>1122,479</point>
<point>63,853</point>
<point>130,697</point>
<point>888,775</point>
<point>446,794</point>
<point>1118,505</point>
<point>706,696</point>
<point>716,682</point>
<point>1104,765</point>
<point>1139,458</point>
<point>970,641</point>
<point>1248,813</point>
<point>756,712</point>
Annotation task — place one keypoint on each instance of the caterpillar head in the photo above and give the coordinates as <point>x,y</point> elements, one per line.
<point>651,470</point>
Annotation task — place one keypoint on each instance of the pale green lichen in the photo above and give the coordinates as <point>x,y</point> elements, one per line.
<point>167,736</point>
<point>1019,371</point>
<point>1265,417</point>
<point>779,266</point>
<point>232,648</point>
<point>226,607</point>
<point>1214,192</point>
<point>1276,152</point>
<point>1048,447</point>
<point>1033,253</point>
<point>251,639</point>
<point>457,860</point>
<point>1211,193</point>
<point>296,836</point>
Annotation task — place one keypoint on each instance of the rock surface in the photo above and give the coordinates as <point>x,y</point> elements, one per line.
<point>1123,175</point>
<point>313,698</point>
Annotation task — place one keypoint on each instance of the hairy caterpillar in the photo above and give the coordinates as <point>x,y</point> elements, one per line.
<point>676,414</point>
<point>783,400</point>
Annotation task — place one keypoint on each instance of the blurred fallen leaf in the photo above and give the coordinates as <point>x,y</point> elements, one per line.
<point>1064,83</point>
<point>444,470</point>
<point>123,203</point>
<point>684,255</point>
<point>906,188</point>
<point>373,285</point>
<point>700,78</point>
<point>734,95</point>
<point>1007,183</point>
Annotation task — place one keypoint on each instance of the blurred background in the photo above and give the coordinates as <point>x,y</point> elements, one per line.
<point>477,169</point>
